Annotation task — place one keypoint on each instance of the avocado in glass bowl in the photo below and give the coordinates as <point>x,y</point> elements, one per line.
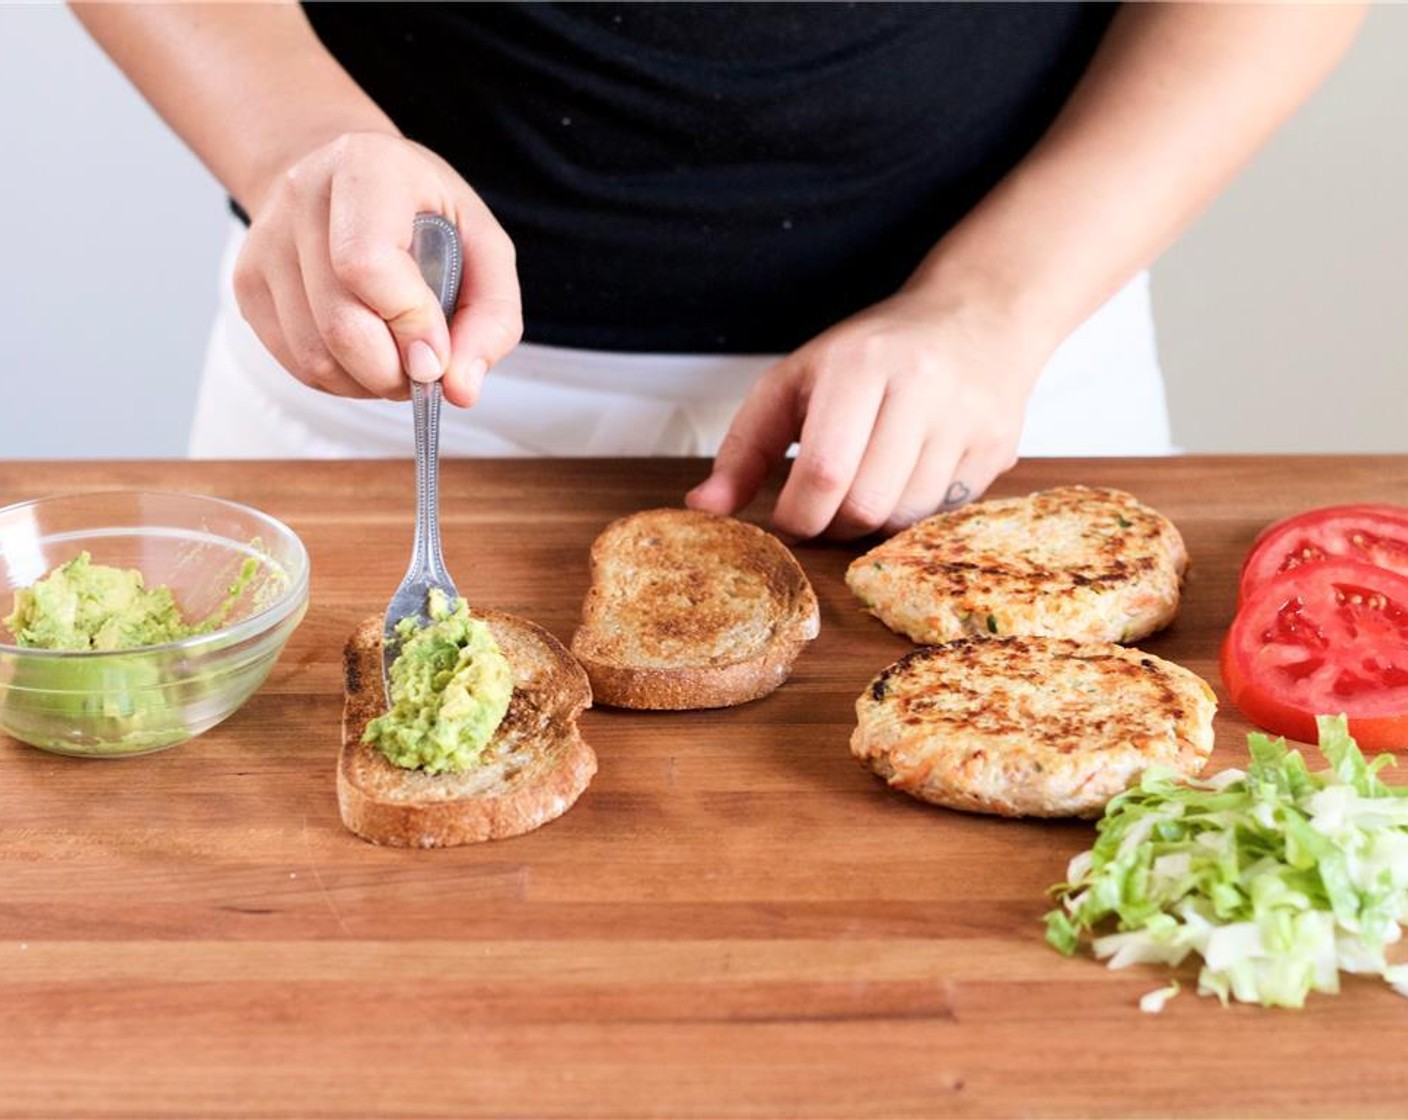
<point>238,587</point>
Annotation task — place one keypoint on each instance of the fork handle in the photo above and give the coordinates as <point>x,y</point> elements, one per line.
<point>435,245</point>
<point>427,556</point>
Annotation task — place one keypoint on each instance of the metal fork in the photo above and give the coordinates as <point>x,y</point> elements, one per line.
<point>435,244</point>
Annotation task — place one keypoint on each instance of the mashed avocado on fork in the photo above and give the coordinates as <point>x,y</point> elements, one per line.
<point>450,689</point>
<point>85,606</point>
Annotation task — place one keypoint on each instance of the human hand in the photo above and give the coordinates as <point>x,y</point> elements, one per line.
<point>900,411</point>
<point>327,281</point>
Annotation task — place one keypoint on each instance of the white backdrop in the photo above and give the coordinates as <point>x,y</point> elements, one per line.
<point>1283,314</point>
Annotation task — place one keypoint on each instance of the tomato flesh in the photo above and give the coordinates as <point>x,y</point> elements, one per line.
<point>1372,534</point>
<point>1323,638</point>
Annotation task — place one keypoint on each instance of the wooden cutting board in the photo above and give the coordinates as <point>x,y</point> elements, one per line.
<point>736,919</point>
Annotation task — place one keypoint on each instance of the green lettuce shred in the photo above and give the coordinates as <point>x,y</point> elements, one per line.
<point>1153,1002</point>
<point>1278,878</point>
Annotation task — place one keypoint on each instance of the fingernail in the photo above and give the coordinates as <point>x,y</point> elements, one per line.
<point>421,362</point>
<point>708,495</point>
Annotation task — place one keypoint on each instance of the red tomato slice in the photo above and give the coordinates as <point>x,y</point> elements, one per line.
<point>1373,534</point>
<point>1323,638</point>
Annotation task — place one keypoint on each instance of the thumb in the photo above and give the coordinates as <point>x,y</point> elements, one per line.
<point>757,441</point>
<point>424,347</point>
<point>419,327</point>
<point>389,282</point>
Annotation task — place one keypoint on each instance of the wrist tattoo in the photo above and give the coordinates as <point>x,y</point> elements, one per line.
<point>957,494</point>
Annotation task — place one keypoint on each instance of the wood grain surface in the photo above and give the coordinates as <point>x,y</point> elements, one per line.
<point>736,919</point>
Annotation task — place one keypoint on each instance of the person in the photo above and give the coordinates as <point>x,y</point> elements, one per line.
<point>901,243</point>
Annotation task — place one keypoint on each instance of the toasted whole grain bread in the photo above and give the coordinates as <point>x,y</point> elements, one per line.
<point>1072,562</point>
<point>535,768</point>
<point>691,610</point>
<point>1041,727</point>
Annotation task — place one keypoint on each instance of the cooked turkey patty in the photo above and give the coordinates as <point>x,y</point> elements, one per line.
<point>1031,726</point>
<point>1074,562</point>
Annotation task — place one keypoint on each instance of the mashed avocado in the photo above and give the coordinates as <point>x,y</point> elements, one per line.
<point>125,690</point>
<point>85,606</point>
<point>450,688</point>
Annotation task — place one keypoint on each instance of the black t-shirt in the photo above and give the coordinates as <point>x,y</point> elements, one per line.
<point>731,177</point>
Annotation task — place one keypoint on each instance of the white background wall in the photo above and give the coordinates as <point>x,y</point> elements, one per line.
<point>109,237</point>
<point>1283,313</point>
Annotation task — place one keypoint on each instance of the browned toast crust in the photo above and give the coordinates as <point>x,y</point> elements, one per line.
<point>691,610</point>
<point>537,764</point>
<point>689,687</point>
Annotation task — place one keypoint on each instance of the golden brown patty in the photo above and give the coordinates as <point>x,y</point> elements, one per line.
<point>1074,562</point>
<point>1040,727</point>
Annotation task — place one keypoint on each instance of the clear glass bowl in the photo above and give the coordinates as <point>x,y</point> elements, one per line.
<point>129,702</point>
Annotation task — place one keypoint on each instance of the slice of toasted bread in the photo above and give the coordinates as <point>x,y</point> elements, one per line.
<point>534,769</point>
<point>1041,727</point>
<point>1074,562</point>
<point>691,610</point>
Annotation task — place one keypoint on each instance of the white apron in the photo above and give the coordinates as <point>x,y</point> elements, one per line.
<point>1101,394</point>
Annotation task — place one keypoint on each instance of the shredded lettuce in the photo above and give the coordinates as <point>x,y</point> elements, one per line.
<point>1153,1002</point>
<point>1279,878</point>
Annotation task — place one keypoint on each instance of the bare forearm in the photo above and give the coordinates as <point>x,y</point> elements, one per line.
<point>248,86</point>
<point>1175,102</point>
